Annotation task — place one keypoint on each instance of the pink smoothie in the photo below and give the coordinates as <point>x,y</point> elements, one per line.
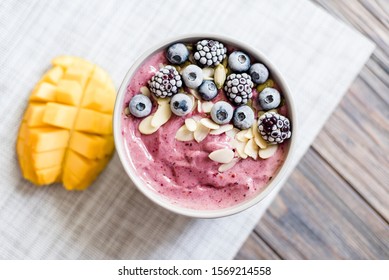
<point>182,171</point>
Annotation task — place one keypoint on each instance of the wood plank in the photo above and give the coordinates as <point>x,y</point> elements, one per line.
<point>256,249</point>
<point>318,216</point>
<point>355,140</point>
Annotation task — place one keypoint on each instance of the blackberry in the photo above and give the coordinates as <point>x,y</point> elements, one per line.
<point>209,52</point>
<point>165,82</point>
<point>274,127</point>
<point>239,88</point>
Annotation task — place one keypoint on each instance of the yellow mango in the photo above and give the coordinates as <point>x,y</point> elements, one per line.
<point>66,132</point>
<point>43,92</point>
<point>94,122</point>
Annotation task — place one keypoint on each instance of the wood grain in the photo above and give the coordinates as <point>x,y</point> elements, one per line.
<point>318,216</point>
<point>336,203</point>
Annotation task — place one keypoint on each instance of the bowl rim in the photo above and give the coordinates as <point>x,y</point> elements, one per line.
<point>122,150</point>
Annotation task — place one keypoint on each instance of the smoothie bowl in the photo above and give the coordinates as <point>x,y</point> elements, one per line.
<point>204,126</point>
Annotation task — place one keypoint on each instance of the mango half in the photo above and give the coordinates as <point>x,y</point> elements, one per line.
<point>66,132</point>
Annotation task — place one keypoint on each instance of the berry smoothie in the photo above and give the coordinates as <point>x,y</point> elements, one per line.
<point>202,139</point>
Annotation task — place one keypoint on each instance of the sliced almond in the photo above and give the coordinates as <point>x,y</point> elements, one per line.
<point>201,132</point>
<point>195,93</point>
<point>226,166</point>
<point>251,149</point>
<point>145,126</point>
<point>127,111</point>
<point>207,106</point>
<point>145,91</point>
<point>232,133</point>
<point>199,108</point>
<point>222,155</point>
<point>208,73</point>
<point>268,152</point>
<point>183,134</point>
<point>239,147</point>
<point>193,101</point>
<point>220,76</point>
<point>241,135</point>
<point>160,100</point>
<point>209,123</point>
<point>221,129</point>
<point>249,134</point>
<point>161,65</point>
<point>261,143</point>
<point>191,124</point>
<point>162,115</point>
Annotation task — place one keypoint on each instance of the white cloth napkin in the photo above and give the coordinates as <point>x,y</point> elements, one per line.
<point>317,55</point>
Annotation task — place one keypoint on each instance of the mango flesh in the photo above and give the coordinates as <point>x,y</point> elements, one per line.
<point>66,132</point>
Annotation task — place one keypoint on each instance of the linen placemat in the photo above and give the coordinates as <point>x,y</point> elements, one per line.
<point>317,55</point>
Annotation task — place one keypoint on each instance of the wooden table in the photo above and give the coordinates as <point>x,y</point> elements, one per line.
<point>336,203</point>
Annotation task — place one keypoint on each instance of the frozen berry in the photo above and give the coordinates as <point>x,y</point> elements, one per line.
<point>177,53</point>
<point>140,106</point>
<point>239,62</point>
<point>239,88</point>
<point>221,112</point>
<point>259,73</point>
<point>181,104</point>
<point>274,128</point>
<point>192,76</point>
<point>209,52</point>
<point>165,82</point>
<point>243,117</point>
<point>208,90</point>
<point>269,98</point>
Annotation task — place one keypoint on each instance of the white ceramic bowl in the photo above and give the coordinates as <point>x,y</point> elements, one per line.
<point>124,153</point>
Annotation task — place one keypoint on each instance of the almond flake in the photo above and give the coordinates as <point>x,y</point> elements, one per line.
<point>222,155</point>
<point>239,146</point>
<point>220,76</point>
<point>208,73</point>
<point>199,109</point>
<point>209,123</point>
<point>226,166</point>
<point>261,143</point>
<point>201,132</point>
<point>249,134</point>
<point>268,152</point>
<point>251,149</point>
<point>207,106</point>
<point>272,111</point>
<point>221,129</point>
<point>145,91</point>
<point>195,93</point>
<point>190,124</point>
<point>193,101</point>
<point>127,111</point>
<point>183,134</point>
<point>145,126</point>
<point>232,132</point>
<point>162,115</point>
<point>241,135</point>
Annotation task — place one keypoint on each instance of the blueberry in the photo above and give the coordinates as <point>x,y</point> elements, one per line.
<point>259,73</point>
<point>221,112</point>
<point>181,104</point>
<point>243,117</point>
<point>208,90</point>
<point>192,76</point>
<point>269,98</point>
<point>177,53</point>
<point>239,61</point>
<point>140,106</point>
